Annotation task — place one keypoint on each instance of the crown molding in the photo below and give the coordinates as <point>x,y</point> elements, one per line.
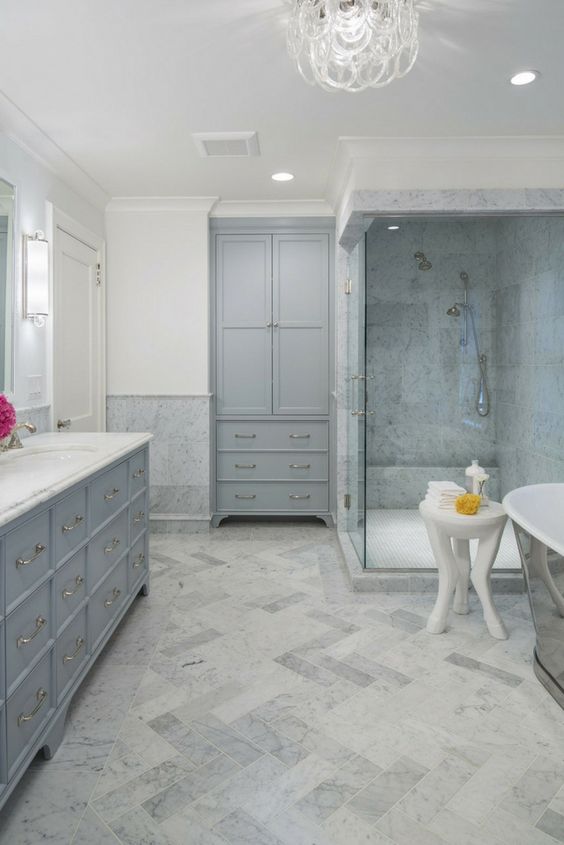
<point>156,204</point>
<point>27,135</point>
<point>273,208</point>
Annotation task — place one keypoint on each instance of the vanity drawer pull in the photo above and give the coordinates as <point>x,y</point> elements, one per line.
<point>115,596</point>
<point>79,581</point>
<point>245,436</point>
<point>240,496</point>
<point>139,473</point>
<point>109,496</point>
<point>299,466</point>
<point>111,548</point>
<point>295,496</point>
<point>39,549</point>
<point>245,466</point>
<point>139,516</point>
<point>299,436</point>
<point>77,521</point>
<point>140,560</point>
<point>40,623</point>
<point>79,643</point>
<point>41,696</point>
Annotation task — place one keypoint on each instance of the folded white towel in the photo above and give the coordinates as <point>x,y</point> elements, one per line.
<point>446,486</point>
<point>438,503</point>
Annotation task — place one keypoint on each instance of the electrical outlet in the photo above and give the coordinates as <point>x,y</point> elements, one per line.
<point>34,388</point>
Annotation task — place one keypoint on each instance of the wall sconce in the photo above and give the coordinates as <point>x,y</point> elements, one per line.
<point>36,278</point>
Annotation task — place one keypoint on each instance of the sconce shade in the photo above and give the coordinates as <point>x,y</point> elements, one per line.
<point>36,275</point>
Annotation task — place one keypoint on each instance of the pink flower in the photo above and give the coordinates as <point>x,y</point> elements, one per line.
<point>7,416</point>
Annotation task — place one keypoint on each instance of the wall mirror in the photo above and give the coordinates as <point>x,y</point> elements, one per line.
<point>7,214</point>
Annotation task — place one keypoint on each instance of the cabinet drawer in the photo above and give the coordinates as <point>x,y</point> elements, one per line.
<point>106,602</point>
<point>105,549</point>
<point>28,557</point>
<point>272,435</point>
<point>138,561</point>
<point>301,497</point>
<point>70,587</point>
<point>71,652</point>
<point>280,466</point>
<point>2,673</point>
<point>28,631</point>
<point>108,494</point>
<point>28,709</point>
<point>3,750</point>
<point>70,525</point>
<point>137,517</point>
<point>137,469</point>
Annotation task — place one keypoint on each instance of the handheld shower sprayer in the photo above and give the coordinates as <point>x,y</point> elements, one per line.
<point>483,398</point>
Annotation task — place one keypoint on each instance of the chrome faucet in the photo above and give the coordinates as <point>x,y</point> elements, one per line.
<point>14,441</point>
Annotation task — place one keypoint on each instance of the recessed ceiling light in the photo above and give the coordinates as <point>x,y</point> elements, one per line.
<point>524,77</point>
<point>282,177</point>
<point>393,228</point>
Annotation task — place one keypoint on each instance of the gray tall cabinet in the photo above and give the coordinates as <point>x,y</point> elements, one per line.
<point>273,370</point>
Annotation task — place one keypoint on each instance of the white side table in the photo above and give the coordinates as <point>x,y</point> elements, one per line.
<point>454,563</point>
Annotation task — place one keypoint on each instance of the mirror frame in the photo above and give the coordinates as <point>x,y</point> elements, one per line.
<point>11,298</point>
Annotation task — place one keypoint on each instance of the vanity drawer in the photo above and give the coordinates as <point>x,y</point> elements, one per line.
<point>106,602</point>
<point>137,517</point>
<point>272,435</point>
<point>108,494</point>
<point>137,473</point>
<point>105,549</point>
<point>3,750</point>
<point>28,709</point>
<point>281,466</point>
<point>71,652</point>
<point>28,631</point>
<point>301,497</point>
<point>2,672</point>
<point>138,561</point>
<point>28,557</point>
<point>70,587</point>
<point>70,524</point>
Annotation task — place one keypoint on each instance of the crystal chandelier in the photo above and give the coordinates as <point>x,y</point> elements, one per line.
<point>351,45</point>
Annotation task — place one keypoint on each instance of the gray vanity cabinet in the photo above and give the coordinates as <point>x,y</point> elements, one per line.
<point>69,569</point>
<point>272,371</point>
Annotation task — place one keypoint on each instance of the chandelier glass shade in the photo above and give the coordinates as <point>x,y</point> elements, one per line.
<point>352,45</point>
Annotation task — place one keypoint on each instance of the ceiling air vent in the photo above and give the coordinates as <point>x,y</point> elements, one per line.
<point>220,144</point>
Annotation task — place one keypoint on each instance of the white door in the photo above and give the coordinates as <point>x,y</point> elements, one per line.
<point>78,358</point>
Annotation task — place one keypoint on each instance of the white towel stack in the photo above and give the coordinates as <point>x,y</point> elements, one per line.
<point>443,494</point>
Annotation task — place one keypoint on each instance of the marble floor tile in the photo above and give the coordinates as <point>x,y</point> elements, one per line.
<point>335,791</point>
<point>266,737</point>
<point>532,793</point>
<point>92,831</point>
<point>385,791</point>
<point>553,824</point>
<point>241,829</point>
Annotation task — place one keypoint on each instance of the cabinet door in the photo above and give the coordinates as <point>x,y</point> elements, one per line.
<point>244,308</point>
<point>300,334</point>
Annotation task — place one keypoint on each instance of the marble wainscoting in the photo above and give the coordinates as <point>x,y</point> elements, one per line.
<point>40,416</point>
<point>180,455</point>
<point>405,486</point>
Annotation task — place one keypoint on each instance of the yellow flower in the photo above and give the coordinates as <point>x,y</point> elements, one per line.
<point>468,503</point>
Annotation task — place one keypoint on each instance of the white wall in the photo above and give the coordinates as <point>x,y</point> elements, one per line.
<point>157,296</point>
<point>36,186</point>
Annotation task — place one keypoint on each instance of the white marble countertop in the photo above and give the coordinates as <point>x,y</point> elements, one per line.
<point>50,463</point>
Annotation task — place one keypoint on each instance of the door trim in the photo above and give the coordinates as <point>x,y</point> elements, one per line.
<point>58,219</point>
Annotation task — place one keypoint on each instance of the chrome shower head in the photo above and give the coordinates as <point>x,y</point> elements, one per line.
<point>454,311</point>
<point>424,263</point>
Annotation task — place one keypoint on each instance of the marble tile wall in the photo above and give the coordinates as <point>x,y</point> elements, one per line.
<point>425,384</point>
<point>530,350</point>
<point>180,454</point>
<point>39,416</point>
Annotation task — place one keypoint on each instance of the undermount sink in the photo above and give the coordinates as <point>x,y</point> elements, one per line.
<point>68,452</point>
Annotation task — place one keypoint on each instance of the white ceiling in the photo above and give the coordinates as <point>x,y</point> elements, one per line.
<point>120,85</point>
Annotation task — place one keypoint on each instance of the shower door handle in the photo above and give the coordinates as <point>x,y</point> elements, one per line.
<point>363,413</point>
<point>362,378</point>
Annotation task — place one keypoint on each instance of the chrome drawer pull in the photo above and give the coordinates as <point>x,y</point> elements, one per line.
<point>299,436</point>
<point>75,524</point>
<point>245,466</point>
<point>245,436</point>
<point>140,561</point>
<point>39,549</point>
<point>68,657</point>
<point>109,496</point>
<point>139,473</point>
<point>139,516</point>
<point>115,595</point>
<point>41,696</point>
<point>40,623</point>
<point>109,549</point>
<point>79,581</point>
<point>295,496</point>
<point>240,496</point>
<point>300,466</point>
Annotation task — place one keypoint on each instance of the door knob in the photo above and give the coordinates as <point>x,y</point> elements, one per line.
<point>63,424</point>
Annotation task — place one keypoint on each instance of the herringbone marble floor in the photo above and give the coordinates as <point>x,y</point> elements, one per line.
<point>251,699</point>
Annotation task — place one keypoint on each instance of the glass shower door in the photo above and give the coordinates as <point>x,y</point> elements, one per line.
<point>356,404</point>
